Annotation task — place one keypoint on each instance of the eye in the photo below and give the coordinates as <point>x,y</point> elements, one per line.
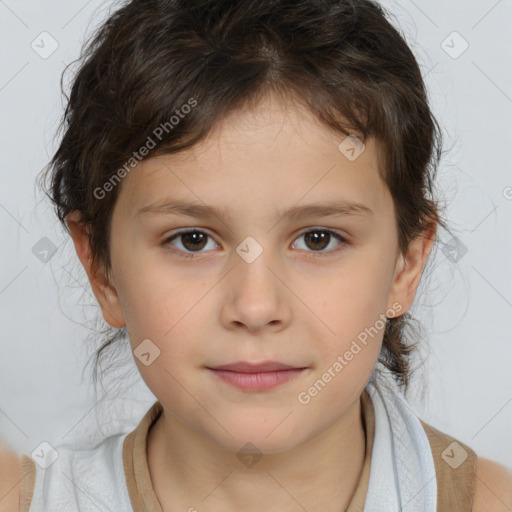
<point>192,240</point>
<point>318,239</point>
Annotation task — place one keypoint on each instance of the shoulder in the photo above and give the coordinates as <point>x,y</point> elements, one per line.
<point>99,463</point>
<point>491,482</point>
<point>9,480</point>
<point>493,487</point>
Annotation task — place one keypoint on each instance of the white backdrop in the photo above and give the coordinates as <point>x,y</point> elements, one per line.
<point>465,388</point>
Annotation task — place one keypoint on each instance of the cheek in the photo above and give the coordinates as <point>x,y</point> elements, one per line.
<point>172,324</point>
<point>347,357</point>
<point>352,307</point>
<point>156,300</point>
<point>354,296</point>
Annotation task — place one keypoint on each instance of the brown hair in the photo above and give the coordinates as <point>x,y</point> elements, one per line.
<point>342,59</point>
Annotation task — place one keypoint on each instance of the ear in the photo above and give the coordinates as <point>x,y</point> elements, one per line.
<point>409,269</point>
<point>104,291</point>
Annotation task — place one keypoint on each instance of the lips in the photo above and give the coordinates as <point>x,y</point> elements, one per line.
<point>256,377</point>
<point>266,366</point>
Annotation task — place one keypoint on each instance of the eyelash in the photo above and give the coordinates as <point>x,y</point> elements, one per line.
<point>314,254</point>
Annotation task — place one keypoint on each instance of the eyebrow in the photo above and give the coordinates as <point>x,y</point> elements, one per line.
<point>202,211</point>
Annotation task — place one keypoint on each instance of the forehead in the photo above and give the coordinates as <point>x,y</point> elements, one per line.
<point>274,153</point>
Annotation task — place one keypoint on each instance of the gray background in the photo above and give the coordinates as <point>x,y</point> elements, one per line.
<point>465,388</point>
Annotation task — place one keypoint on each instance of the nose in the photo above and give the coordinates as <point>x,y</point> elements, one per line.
<point>255,297</point>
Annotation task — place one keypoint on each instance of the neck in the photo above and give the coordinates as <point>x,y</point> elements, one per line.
<point>190,470</point>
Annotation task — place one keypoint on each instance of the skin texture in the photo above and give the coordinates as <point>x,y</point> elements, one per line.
<point>493,487</point>
<point>10,477</point>
<point>297,303</point>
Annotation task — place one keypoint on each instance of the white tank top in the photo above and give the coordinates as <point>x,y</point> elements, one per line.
<point>88,479</point>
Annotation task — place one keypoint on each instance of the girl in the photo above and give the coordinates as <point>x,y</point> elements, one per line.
<point>290,142</point>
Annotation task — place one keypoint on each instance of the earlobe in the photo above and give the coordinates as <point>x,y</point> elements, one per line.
<point>104,291</point>
<point>106,294</point>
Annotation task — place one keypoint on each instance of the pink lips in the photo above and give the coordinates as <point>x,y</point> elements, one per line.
<point>256,377</point>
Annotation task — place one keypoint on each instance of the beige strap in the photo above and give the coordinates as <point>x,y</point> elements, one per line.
<point>454,462</point>
<point>138,479</point>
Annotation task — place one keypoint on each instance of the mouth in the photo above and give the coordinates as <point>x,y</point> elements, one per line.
<point>256,376</point>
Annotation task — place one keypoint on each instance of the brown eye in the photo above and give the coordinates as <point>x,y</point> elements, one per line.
<point>190,241</point>
<point>195,240</point>
<point>317,240</point>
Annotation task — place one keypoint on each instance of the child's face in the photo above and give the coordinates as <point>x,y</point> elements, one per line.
<point>223,306</point>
